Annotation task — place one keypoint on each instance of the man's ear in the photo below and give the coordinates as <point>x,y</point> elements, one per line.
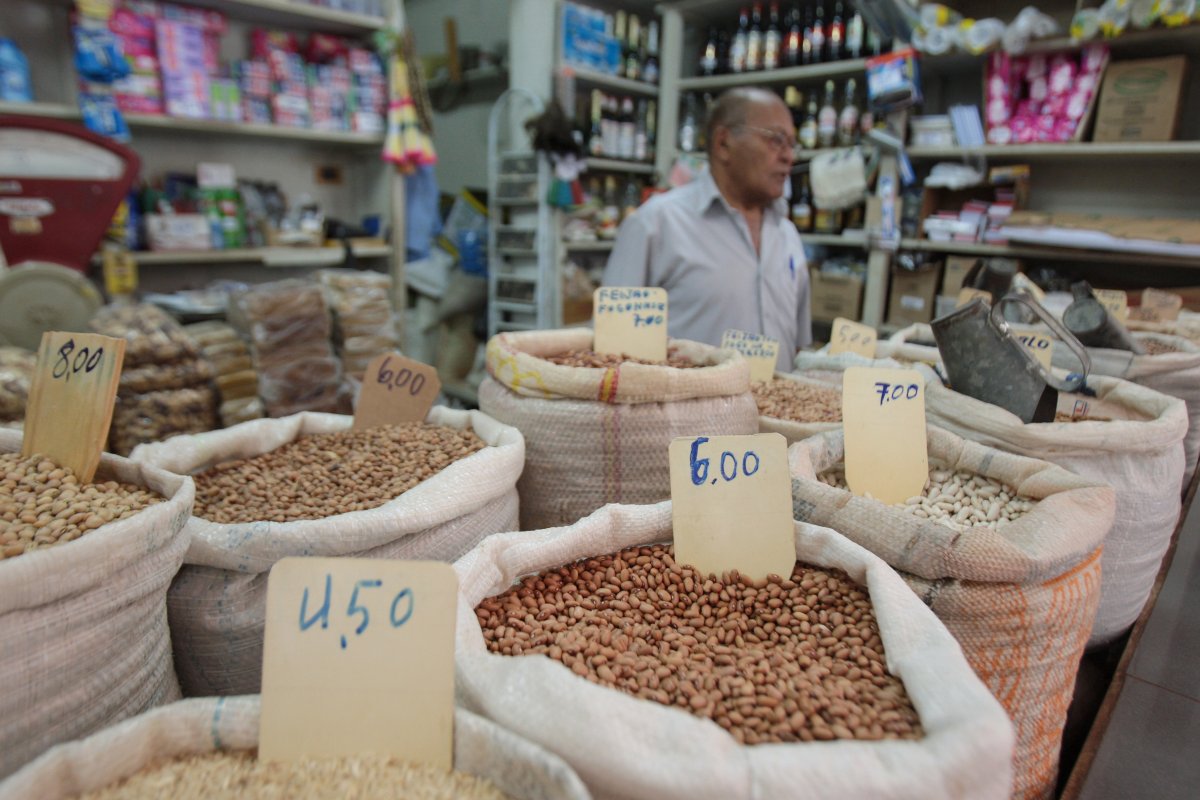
<point>720,143</point>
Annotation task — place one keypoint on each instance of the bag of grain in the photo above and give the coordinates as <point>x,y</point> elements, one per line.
<point>599,434</point>
<point>730,664</point>
<point>1128,437</point>
<point>915,344</point>
<point>820,365</point>
<point>1014,574</point>
<point>365,498</point>
<point>84,622</point>
<point>797,407</point>
<point>217,735</point>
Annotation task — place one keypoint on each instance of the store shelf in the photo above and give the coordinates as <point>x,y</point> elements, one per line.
<point>856,239</point>
<point>270,256</point>
<point>612,81</point>
<point>516,306</point>
<point>53,110</point>
<point>812,72</point>
<point>1065,150</point>
<point>517,252</point>
<point>597,246</point>
<point>294,14</point>
<point>617,165</point>
<point>470,78</point>
<point>1047,253</point>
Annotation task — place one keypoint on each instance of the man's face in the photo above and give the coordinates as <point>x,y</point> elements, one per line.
<point>760,152</point>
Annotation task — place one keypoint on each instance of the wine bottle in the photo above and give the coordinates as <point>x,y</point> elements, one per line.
<point>837,33</point>
<point>737,48</point>
<point>754,40</point>
<point>793,42</point>
<point>827,119</point>
<point>772,39</point>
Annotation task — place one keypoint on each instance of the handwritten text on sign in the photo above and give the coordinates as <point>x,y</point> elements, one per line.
<point>1115,301</point>
<point>395,390</point>
<point>761,352</point>
<point>731,504</point>
<point>359,657</point>
<point>630,321</point>
<point>71,399</point>
<point>1164,306</point>
<point>883,416</point>
<point>849,336</point>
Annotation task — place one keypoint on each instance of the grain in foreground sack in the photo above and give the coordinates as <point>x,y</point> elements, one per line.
<point>828,398</point>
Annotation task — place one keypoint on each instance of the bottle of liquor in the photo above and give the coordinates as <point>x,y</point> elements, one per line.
<point>806,51</point>
<point>650,65</point>
<point>639,132</point>
<point>710,55</point>
<point>772,39</point>
<point>854,36</point>
<point>737,48</point>
<point>651,127</point>
<point>837,33</point>
<point>793,42</point>
<point>818,35</point>
<point>619,35</point>
<point>628,130</point>
<point>630,195</point>
<point>866,121</point>
<point>633,66</point>
<point>874,43</point>
<point>687,127</point>
<point>802,214</point>
<point>611,127</point>
<point>826,220</point>
<point>596,138</point>
<point>795,103</point>
<point>754,40</point>
<point>827,118</point>
<point>847,134</point>
<point>610,216</point>
<point>808,129</point>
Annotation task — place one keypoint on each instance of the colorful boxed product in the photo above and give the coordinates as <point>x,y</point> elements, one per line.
<point>1041,98</point>
<point>184,74</point>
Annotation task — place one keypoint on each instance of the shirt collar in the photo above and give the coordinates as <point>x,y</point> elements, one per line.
<point>707,193</point>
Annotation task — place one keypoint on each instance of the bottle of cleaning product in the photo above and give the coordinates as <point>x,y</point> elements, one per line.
<point>15,85</point>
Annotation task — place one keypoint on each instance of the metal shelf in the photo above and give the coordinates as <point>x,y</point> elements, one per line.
<point>857,239</point>
<point>597,246</point>
<point>516,306</point>
<point>618,165</point>
<point>611,81</point>
<point>811,72</point>
<point>1065,150</point>
<point>1048,253</point>
<point>271,256</point>
<point>517,252</point>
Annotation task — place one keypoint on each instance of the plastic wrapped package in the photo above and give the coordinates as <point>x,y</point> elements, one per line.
<point>362,310</point>
<point>236,379</point>
<point>16,374</point>
<point>153,416</point>
<point>161,377</point>
<point>241,410</point>
<point>152,337</point>
<point>277,314</point>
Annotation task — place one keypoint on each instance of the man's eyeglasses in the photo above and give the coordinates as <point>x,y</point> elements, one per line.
<point>780,141</point>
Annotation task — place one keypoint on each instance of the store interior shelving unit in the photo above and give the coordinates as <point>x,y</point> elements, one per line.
<point>290,157</point>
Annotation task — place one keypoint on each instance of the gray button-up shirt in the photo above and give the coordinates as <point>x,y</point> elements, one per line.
<point>691,242</point>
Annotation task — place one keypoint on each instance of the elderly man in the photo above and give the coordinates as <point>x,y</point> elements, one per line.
<point>723,246</point>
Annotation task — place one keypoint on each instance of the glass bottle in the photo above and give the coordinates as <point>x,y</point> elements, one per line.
<point>806,47</point>
<point>802,215</point>
<point>794,100</point>
<point>611,127</point>
<point>737,48</point>
<point>847,134</point>
<point>628,129</point>
<point>687,126</point>
<point>710,55</point>
<point>772,39</point>
<point>826,220</point>
<point>793,42</point>
<point>650,64</point>
<point>837,33</point>
<point>827,118</point>
<point>639,132</point>
<point>854,36</point>
<point>596,138</point>
<point>651,127</point>
<point>808,129</point>
<point>630,195</point>
<point>754,40</point>
<point>818,35</point>
<point>619,35</point>
<point>633,65</point>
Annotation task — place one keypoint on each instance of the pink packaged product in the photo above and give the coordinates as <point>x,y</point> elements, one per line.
<point>208,20</point>
<point>185,78</point>
<point>256,110</point>
<point>291,110</point>
<point>254,79</point>
<point>325,48</point>
<point>1040,98</point>
<point>263,42</point>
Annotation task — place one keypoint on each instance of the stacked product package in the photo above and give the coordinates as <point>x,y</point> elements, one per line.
<point>16,375</point>
<point>236,378</point>
<point>166,385</point>
<point>1041,98</point>
<point>362,316</point>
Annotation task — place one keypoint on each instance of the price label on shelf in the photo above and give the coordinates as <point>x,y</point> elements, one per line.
<point>1164,306</point>
<point>1041,346</point>
<point>731,504</point>
<point>967,294</point>
<point>761,352</point>
<point>630,321</point>
<point>883,417</point>
<point>71,399</point>
<point>358,657</point>
<point>848,336</point>
<point>1115,301</point>
<point>395,390</point>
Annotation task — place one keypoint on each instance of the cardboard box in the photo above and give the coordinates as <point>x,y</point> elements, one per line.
<point>1139,101</point>
<point>912,295</point>
<point>956,270</point>
<point>835,295</point>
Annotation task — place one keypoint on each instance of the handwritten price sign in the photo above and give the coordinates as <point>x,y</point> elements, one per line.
<point>1161,306</point>
<point>760,351</point>
<point>71,399</point>
<point>395,390</point>
<point>630,321</point>
<point>358,657</point>
<point>883,416</point>
<point>1115,300</point>
<point>852,337</point>
<point>731,504</point>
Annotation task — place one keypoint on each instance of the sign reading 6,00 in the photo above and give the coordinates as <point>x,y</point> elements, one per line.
<point>729,464</point>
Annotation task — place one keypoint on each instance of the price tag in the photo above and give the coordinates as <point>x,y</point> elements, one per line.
<point>1115,301</point>
<point>883,416</point>
<point>761,352</point>
<point>967,294</point>
<point>630,321</point>
<point>731,504</point>
<point>395,390</point>
<point>1164,305</point>
<point>358,657</point>
<point>852,337</point>
<point>120,272</point>
<point>71,399</point>
<point>1041,346</point>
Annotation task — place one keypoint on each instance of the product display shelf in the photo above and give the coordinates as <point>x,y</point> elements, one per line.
<point>292,14</point>
<point>597,246</point>
<point>269,256</point>
<point>1047,253</point>
<point>853,238</point>
<point>53,110</point>
<point>619,165</point>
<point>612,82</point>
<point>776,77</point>
<point>1064,150</point>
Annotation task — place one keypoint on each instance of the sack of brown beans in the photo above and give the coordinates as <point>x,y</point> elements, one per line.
<point>597,427</point>
<point>307,485</point>
<point>1127,436</point>
<point>1171,365</point>
<point>1005,550</point>
<point>84,571</point>
<point>653,681</point>
<point>205,748</point>
<point>820,365</point>
<point>796,406</point>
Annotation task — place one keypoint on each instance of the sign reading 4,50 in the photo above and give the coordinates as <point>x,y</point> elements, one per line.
<point>729,464</point>
<point>889,392</point>
<point>85,360</point>
<point>400,608</point>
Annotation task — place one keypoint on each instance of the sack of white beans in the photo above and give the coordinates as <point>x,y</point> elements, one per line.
<point>84,622</point>
<point>1005,550</point>
<point>1126,436</point>
<point>797,407</point>
<point>210,726</point>
<point>599,434</point>
<point>1171,365</point>
<point>915,344</point>
<point>628,747</point>
<point>820,365</point>
<point>218,601</point>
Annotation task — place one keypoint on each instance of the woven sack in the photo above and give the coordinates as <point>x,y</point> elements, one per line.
<point>820,365</point>
<point>84,624</point>
<point>518,768</point>
<point>630,748</point>
<point>790,429</point>
<point>1020,599</point>
<point>218,601</point>
<point>595,436</point>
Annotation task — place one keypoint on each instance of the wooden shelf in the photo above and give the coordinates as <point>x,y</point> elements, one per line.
<point>271,256</point>
<point>619,165</point>
<point>812,72</point>
<point>1065,150</point>
<point>1047,253</point>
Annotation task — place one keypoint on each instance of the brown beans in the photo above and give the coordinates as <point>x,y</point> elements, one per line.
<point>43,504</point>
<point>1157,347</point>
<point>717,649</point>
<point>325,474</point>
<point>785,399</point>
<point>590,358</point>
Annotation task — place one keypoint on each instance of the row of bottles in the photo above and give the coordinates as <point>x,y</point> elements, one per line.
<point>619,127</point>
<point>809,218</point>
<point>829,123</point>
<point>811,37</point>
<point>610,201</point>
<point>639,47</point>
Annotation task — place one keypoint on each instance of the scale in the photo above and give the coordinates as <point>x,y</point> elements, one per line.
<point>60,185</point>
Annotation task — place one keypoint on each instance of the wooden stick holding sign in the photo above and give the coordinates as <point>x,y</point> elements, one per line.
<point>71,399</point>
<point>630,321</point>
<point>395,390</point>
<point>883,417</point>
<point>358,657</point>
<point>761,352</point>
<point>848,336</point>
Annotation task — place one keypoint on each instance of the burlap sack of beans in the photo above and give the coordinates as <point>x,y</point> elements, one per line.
<point>820,365</point>
<point>217,602</point>
<point>1187,325</point>
<point>630,748</point>
<point>797,431</point>
<point>915,344</point>
<point>1176,374</point>
<point>596,436</point>
<point>1020,599</point>
<point>84,624</point>
<point>1139,453</point>
<point>203,725</point>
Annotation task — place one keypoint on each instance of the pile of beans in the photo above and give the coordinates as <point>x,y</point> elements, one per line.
<point>325,474</point>
<point>1157,347</point>
<point>783,660</point>
<point>42,504</point>
<point>781,398</point>
<point>590,358</point>
<point>235,775</point>
<point>959,500</point>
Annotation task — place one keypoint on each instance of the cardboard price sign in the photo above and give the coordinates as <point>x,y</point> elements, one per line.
<point>359,657</point>
<point>849,336</point>
<point>883,416</point>
<point>1041,346</point>
<point>967,294</point>
<point>731,504</point>
<point>630,321</point>
<point>761,352</point>
<point>1164,306</point>
<point>71,399</point>
<point>395,390</point>
<point>1115,301</point>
